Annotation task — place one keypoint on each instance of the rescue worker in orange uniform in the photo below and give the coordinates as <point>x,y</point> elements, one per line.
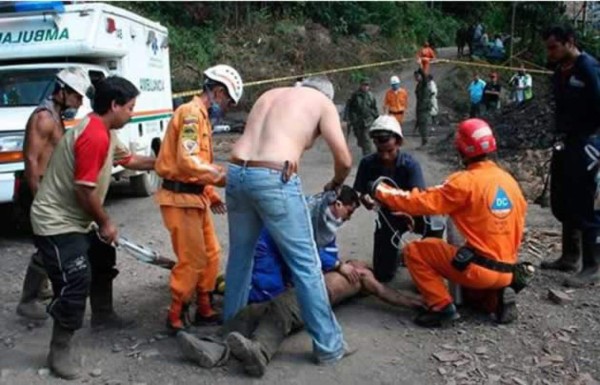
<point>396,100</point>
<point>185,163</point>
<point>424,57</point>
<point>488,208</point>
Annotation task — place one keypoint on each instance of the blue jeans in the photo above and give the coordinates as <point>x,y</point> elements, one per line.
<point>257,197</point>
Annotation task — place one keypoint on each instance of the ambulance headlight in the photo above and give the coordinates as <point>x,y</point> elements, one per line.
<point>11,147</point>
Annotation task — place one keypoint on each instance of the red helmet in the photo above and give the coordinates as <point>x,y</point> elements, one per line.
<point>474,137</point>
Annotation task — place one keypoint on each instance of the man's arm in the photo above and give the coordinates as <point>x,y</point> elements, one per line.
<point>38,135</point>
<point>331,131</point>
<point>140,162</point>
<point>90,152</point>
<point>439,200</point>
<point>89,201</point>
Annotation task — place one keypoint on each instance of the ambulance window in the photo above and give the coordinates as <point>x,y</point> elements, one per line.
<point>21,88</point>
<point>96,76</point>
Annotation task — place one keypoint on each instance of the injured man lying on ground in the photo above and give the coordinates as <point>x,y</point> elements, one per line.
<point>254,335</point>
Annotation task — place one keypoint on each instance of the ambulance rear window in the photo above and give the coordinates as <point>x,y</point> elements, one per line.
<point>24,88</point>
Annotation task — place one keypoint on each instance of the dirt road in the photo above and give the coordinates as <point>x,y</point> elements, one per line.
<point>550,344</point>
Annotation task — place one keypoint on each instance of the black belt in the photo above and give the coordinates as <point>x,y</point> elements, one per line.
<point>465,256</point>
<point>180,187</point>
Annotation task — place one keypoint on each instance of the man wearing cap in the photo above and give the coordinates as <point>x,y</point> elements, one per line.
<point>80,260</point>
<point>406,172</point>
<point>491,94</point>
<point>186,164</point>
<point>264,190</point>
<point>361,111</point>
<point>488,208</point>
<point>44,129</point>
<point>396,100</point>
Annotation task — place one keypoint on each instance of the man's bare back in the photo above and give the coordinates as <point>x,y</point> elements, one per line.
<point>42,134</point>
<point>285,122</point>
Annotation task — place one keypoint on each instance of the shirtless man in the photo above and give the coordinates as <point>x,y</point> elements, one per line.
<point>263,190</point>
<point>43,131</point>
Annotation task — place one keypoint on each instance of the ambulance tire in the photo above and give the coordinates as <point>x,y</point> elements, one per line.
<point>145,184</point>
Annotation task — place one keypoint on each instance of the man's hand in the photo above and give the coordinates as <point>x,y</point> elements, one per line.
<point>410,299</point>
<point>219,208</point>
<point>108,233</point>
<point>349,272</point>
<point>367,201</point>
<point>332,185</point>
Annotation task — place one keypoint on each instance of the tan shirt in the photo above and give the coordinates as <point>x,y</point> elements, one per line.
<point>85,155</point>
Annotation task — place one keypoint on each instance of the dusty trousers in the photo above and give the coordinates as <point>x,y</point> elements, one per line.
<point>429,261</point>
<point>197,249</point>
<point>73,262</point>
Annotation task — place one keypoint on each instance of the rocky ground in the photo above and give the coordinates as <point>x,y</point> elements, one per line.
<point>554,342</point>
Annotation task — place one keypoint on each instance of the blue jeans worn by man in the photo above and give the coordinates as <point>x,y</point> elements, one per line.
<point>258,197</point>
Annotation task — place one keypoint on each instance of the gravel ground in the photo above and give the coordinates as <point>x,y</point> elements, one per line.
<point>551,343</point>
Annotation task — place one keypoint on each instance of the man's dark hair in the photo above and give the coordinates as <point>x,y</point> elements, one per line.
<point>348,196</point>
<point>562,33</point>
<point>113,88</point>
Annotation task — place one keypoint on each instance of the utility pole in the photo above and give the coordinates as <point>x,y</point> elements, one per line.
<point>512,31</point>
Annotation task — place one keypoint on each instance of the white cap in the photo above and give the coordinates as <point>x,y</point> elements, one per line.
<point>386,123</point>
<point>320,83</point>
<point>394,80</point>
<point>229,77</point>
<point>76,79</point>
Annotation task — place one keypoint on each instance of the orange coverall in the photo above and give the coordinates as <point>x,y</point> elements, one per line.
<point>186,156</point>
<point>396,102</point>
<point>488,208</point>
<point>425,55</point>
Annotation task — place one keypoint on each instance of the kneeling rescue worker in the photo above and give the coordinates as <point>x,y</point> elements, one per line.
<point>186,164</point>
<point>488,208</point>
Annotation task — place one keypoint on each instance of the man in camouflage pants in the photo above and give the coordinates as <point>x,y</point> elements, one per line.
<point>361,111</point>
<point>424,101</point>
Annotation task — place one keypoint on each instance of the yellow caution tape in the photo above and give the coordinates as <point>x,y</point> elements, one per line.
<point>363,66</point>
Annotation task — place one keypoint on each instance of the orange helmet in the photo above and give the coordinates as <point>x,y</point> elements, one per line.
<point>474,137</point>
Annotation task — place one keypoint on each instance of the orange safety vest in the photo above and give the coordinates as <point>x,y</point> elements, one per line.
<point>484,201</point>
<point>396,102</point>
<point>186,156</point>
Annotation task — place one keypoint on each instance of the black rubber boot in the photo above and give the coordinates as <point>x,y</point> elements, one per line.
<point>60,361</point>
<point>590,274</point>
<point>103,314</point>
<point>506,311</point>
<point>29,306</point>
<point>439,318</point>
<point>569,260</point>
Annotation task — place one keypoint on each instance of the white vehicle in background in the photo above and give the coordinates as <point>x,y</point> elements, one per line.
<point>38,39</point>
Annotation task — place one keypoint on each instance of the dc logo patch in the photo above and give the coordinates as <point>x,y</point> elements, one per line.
<point>501,205</point>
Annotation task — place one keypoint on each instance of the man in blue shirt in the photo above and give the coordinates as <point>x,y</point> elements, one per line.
<point>575,168</point>
<point>476,88</point>
<point>406,172</point>
<point>256,332</point>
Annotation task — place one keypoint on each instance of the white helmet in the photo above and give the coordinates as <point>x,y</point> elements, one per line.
<point>386,123</point>
<point>76,79</point>
<point>394,80</point>
<point>229,77</point>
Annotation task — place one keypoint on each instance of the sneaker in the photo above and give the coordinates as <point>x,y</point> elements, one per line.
<point>506,311</point>
<point>249,353</point>
<point>439,318</point>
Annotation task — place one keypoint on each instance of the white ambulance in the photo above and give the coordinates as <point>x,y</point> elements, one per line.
<point>37,39</point>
